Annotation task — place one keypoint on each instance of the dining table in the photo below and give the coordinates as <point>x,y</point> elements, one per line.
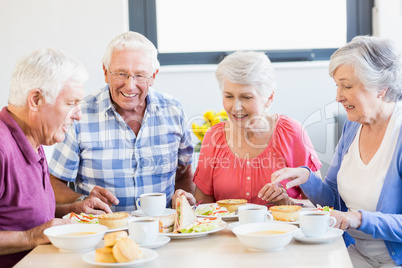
<point>218,249</point>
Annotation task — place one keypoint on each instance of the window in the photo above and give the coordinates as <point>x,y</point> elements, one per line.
<point>205,31</point>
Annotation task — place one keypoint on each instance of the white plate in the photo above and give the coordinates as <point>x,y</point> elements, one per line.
<point>141,213</point>
<point>332,234</point>
<point>160,240</point>
<point>222,226</point>
<point>110,230</point>
<point>149,255</point>
<point>225,218</point>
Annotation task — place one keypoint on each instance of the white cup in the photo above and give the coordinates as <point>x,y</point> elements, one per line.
<point>316,223</point>
<point>152,204</point>
<point>143,230</point>
<point>253,213</point>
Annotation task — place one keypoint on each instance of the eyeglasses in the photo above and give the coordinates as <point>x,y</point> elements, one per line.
<point>140,79</point>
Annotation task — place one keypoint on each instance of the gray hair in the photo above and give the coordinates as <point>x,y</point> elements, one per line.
<point>131,41</point>
<point>376,62</point>
<point>248,68</point>
<point>48,69</point>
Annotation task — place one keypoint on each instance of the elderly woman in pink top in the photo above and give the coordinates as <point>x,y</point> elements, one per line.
<point>239,155</point>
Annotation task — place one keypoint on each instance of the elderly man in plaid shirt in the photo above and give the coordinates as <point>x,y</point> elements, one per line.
<point>131,139</point>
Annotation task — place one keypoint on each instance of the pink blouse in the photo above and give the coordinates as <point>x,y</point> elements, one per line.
<point>222,174</point>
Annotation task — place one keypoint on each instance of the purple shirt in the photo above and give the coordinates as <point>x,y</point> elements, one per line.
<point>26,195</point>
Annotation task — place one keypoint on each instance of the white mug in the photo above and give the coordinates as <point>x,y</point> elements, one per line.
<point>316,223</point>
<point>253,213</point>
<point>152,204</point>
<point>143,230</point>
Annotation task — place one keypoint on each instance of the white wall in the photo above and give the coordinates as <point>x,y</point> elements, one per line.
<point>84,27</point>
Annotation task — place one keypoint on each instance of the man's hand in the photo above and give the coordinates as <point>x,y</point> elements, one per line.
<point>104,195</point>
<point>179,192</point>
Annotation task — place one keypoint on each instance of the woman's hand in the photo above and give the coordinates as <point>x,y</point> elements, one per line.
<point>179,192</point>
<point>296,176</point>
<point>346,220</point>
<point>274,193</point>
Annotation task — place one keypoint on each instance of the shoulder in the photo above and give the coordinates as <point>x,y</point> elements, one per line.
<point>216,132</point>
<point>288,125</point>
<point>163,100</point>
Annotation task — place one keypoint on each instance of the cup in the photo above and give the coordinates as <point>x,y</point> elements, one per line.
<point>143,230</point>
<point>316,223</point>
<point>152,204</point>
<point>253,213</point>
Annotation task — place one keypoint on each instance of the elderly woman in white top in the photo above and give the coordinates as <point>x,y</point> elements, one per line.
<point>364,182</point>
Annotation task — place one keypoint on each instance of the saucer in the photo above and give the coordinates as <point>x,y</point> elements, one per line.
<point>331,235</point>
<point>160,240</point>
<point>231,226</point>
<point>141,213</point>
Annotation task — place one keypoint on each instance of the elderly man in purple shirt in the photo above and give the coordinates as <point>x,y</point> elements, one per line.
<point>45,89</point>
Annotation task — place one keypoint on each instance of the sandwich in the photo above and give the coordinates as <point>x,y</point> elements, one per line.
<point>166,223</point>
<point>184,217</point>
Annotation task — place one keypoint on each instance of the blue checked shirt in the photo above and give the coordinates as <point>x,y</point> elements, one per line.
<point>102,149</point>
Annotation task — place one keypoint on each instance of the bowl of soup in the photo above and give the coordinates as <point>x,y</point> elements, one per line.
<point>76,237</point>
<point>266,236</point>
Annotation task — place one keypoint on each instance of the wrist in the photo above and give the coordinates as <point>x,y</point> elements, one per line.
<point>81,198</point>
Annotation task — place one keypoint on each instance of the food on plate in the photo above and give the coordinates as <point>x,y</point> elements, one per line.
<point>326,208</point>
<point>184,217</point>
<point>202,225</point>
<point>232,204</point>
<point>126,250</point>
<point>105,255</point>
<point>82,217</point>
<point>111,238</point>
<point>166,223</point>
<point>288,213</point>
<point>114,220</point>
<point>212,210</point>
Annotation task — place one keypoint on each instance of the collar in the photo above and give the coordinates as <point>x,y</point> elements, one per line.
<point>20,139</point>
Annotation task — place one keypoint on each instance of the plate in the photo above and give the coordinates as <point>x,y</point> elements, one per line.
<point>141,213</point>
<point>108,231</point>
<point>332,234</point>
<point>226,217</point>
<point>290,222</point>
<point>149,255</point>
<point>161,240</point>
<point>222,226</point>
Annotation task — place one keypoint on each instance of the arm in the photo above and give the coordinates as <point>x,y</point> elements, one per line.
<point>17,241</point>
<point>63,193</point>
<point>200,196</point>
<point>184,178</point>
<point>98,202</point>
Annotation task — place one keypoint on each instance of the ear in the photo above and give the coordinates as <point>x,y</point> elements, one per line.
<point>270,100</point>
<point>105,71</point>
<point>35,99</point>
<point>152,80</point>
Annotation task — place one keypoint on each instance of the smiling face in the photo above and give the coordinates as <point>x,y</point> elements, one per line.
<point>361,105</point>
<point>54,119</point>
<point>129,96</point>
<point>242,103</point>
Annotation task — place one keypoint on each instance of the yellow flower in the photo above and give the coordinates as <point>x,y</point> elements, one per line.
<point>210,119</point>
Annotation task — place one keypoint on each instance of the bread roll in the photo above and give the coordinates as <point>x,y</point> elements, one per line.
<point>232,204</point>
<point>114,220</point>
<point>285,213</point>
<point>126,250</point>
<point>105,255</point>
<point>111,238</point>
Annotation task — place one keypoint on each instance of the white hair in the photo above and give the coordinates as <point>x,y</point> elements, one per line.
<point>248,68</point>
<point>132,41</point>
<point>48,69</point>
<point>376,62</point>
